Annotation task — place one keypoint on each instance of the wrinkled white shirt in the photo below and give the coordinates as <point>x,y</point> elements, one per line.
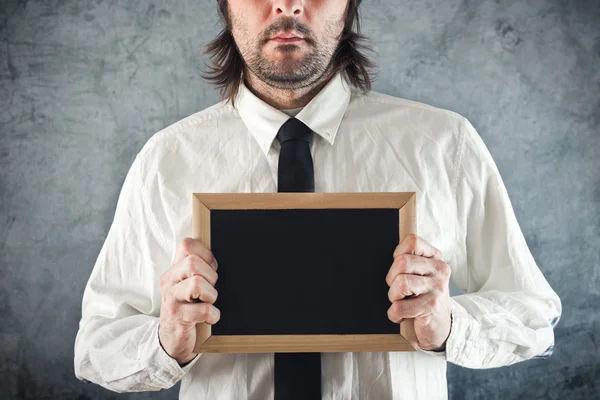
<point>363,143</point>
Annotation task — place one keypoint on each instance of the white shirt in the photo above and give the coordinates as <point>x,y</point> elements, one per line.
<point>363,143</point>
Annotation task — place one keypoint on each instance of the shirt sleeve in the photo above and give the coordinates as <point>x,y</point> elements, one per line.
<point>117,345</point>
<point>509,311</point>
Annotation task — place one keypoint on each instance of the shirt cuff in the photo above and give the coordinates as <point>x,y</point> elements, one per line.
<point>168,370</point>
<point>441,354</point>
<point>462,343</point>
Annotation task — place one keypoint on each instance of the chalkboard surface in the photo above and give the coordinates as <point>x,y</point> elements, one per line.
<point>307,271</point>
<point>301,272</point>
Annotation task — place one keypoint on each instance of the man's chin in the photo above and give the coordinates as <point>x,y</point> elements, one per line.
<point>289,72</point>
<point>286,80</point>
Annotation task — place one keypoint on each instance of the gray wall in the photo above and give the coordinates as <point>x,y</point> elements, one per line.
<point>83,85</point>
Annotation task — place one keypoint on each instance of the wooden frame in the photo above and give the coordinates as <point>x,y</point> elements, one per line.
<point>203,203</point>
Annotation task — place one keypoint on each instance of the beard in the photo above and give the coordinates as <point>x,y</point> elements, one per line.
<point>288,66</point>
<point>285,69</point>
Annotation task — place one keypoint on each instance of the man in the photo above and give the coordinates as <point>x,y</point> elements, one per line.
<point>151,284</point>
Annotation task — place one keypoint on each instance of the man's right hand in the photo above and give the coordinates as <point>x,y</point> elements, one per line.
<point>188,294</point>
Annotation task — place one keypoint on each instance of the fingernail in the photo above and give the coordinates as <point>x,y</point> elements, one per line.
<point>214,264</point>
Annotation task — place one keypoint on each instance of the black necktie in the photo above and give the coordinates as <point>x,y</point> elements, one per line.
<point>295,171</point>
<point>297,375</point>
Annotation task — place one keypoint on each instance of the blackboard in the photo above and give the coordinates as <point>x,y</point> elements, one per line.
<point>303,271</point>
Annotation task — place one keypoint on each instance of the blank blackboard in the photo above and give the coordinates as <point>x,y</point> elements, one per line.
<point>302,271</point>
<point>307,271</point>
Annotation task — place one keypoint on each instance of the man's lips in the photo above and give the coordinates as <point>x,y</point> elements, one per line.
<point>287,40</point>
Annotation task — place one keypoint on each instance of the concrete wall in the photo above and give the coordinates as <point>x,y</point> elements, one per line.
<point>84,84</point>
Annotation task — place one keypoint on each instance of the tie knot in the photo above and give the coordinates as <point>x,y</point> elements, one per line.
<point>294,129</point>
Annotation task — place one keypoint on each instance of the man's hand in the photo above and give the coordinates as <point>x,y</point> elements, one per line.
<point>419,288</point>
<point>188,294</point>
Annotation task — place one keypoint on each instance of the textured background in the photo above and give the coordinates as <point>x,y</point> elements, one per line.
<point>84,84</point>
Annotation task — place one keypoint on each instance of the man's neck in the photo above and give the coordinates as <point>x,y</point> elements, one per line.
<point>283,99</point>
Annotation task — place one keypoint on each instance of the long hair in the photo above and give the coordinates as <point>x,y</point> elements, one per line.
<point>228,65</point>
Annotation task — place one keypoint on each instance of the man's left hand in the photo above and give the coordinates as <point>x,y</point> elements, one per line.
<point>419,288</point>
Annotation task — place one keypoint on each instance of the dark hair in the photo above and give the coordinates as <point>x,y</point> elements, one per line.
<point>228,65</point>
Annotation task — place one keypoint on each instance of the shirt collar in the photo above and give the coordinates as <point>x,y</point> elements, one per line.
<point>323,114</point>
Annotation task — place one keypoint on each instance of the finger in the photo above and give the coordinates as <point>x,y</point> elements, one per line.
<point>410,308</point>
<point>405,285</point>
<point>193,289</point>
<point>195,313</point>
<point>415,265</point>
<point>190,266</point>
<point>415,245</point>
<point>195,246</point>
